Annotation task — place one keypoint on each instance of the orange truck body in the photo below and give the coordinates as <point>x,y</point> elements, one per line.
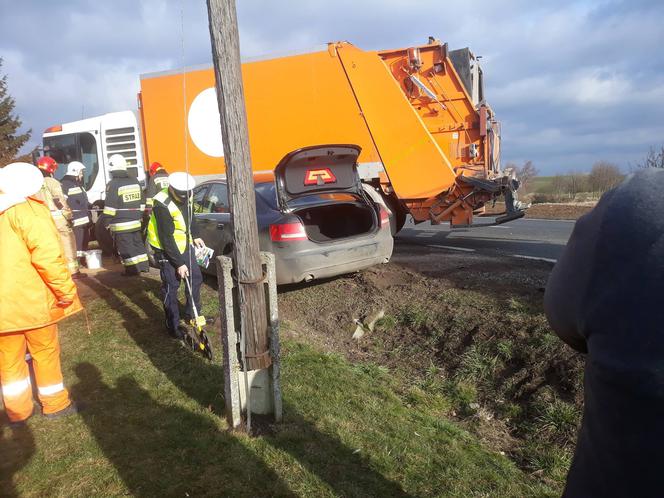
<point>425,143</point>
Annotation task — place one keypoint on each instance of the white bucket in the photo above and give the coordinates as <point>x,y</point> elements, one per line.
<point>93,259</point>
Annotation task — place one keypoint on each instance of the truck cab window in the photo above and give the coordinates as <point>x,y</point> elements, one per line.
<point>74,147</point>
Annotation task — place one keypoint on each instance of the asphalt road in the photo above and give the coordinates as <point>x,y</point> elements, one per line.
<point>529,238</point>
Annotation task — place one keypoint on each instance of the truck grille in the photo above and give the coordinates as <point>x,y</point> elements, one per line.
<point>122,141</point>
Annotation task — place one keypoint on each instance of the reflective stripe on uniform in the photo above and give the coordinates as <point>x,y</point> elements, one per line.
<point>17,388</point>
<point>125,226</point>
<point>52,389</point>
<point>74,191</point>
<point>149,202</point>
<point>135,260</point>
<point>109,211</point>
<point>81,221</point>
<point>130,193</point>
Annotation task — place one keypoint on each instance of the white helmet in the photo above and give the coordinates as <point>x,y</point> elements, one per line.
<point>20,180</point>
<point>181,181</point>
<point>74,168</point>
<point>117,162</point>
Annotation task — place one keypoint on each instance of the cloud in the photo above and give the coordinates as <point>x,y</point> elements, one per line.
<point>572,81</point>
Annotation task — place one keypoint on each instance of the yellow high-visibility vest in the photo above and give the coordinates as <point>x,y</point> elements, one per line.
<point>180,227</point>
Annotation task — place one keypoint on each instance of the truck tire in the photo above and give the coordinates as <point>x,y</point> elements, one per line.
<point>398,218</point>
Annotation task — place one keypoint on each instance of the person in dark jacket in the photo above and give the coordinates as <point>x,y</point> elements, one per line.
<point>124,206</point>
<point>173,235</point>
<point>77,198</point>
<point>158,182</point>
<point>604,299</point>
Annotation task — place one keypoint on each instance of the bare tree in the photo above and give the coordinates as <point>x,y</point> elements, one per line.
<point>577,183</point>
<point>654,158</point>
<point>526,173</point>
<point>604,176</point>
<point>567,186</point>
<point>559,187</point>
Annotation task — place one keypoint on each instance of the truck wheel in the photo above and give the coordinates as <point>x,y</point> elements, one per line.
<point>398,218</point>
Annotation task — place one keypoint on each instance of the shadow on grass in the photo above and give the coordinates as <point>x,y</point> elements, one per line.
<point>324,455</point>
<point>19,444</point>
<point>161,450</point>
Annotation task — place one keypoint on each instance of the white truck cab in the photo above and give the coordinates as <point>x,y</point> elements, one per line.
<point>93,141</point>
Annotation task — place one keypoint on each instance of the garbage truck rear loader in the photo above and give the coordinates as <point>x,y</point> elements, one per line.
<point>430,143</point>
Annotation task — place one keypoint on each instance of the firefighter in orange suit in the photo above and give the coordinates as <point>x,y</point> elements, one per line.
<point>36,292</point>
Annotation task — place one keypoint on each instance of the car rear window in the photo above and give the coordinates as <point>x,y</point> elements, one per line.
<point>268,193</point>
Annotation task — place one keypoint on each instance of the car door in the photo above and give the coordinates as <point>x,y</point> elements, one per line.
<point>213,217</point>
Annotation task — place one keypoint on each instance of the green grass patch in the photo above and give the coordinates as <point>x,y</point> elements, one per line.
<point>152,426</point>
<point>489,360</point>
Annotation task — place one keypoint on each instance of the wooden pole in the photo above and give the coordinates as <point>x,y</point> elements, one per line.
<point>230,96</point>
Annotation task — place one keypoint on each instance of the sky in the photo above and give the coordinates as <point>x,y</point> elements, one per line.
<point>573,82</point>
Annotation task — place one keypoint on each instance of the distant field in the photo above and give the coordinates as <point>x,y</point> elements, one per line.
<point>540,184</point>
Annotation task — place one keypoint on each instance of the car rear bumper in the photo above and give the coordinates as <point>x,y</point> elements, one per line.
<point>313,261</point>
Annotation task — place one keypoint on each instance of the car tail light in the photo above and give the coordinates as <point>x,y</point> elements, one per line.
<point>384,217</point>
<point>287,232</point>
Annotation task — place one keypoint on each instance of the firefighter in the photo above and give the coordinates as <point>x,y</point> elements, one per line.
<point>51,194</point>
<point>36,292</point>
<point>77,198</point>
<point>158,182</point>
<point>173,234</point>
<point>124,206</point>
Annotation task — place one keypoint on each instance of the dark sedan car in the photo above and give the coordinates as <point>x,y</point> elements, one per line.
<point>313,214</point>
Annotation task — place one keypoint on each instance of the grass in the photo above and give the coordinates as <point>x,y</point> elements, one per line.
<point>493,364</point>
<point>540,184</point>
<point>152,424</point>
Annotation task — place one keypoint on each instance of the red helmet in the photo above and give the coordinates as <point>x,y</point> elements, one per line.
<point>47,164</point>
<point>154,167</point>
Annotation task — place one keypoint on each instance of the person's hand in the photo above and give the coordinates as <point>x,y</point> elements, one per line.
<point>199,243</point>
<point>183,271</point>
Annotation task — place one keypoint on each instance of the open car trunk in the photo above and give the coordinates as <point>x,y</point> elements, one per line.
<point>321,186</point>
<point>340,220</point>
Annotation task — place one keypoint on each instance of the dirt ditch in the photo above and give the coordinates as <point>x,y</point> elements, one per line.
<point>465,327</point>
<point>548,211</point>
<point>559,211</point>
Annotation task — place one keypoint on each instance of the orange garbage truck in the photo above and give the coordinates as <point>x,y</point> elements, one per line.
<point>430,142</point>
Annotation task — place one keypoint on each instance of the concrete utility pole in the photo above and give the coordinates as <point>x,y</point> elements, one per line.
<point>247,264</point>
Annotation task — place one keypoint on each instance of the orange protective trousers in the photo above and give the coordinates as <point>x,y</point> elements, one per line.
<point>44,348</point>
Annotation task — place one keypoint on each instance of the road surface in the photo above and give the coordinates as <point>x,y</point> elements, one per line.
<point>529,238</point>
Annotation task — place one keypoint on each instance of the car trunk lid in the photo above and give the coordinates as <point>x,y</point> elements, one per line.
<point>316,170</point>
